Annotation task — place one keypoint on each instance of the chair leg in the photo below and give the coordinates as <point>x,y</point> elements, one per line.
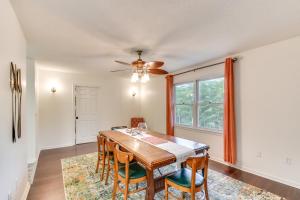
<point>103,167</point>
<point>193,196</point>
<point>115,188</point>
<point>98,162</point>
<point>108,170</point>
<point>166,191</point>
<point>126,191</point>
<point>206,190</point>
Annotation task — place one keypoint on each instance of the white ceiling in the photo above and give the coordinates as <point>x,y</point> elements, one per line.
<point>87,35</point>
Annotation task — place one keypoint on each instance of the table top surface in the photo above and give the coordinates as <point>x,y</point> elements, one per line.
<point>150,155</point>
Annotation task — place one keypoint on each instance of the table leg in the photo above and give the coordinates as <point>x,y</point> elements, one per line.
<point>183,165</point>
<point>150,185</point>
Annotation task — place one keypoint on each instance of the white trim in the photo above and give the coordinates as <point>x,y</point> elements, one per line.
<point>33,160</point>
<point>200,130</point>
<point>33,171</point>
<point>261,174</point>
<point>38,155</point>
<point>26,191</point>
<point>57,146</point>
<point>87,140</point>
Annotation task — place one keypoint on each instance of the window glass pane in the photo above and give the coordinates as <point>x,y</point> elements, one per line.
<point>211,90</point>
<point>184,115</point>
<point>210,104</point>
<point>210,116</point>
<point>184,93</point>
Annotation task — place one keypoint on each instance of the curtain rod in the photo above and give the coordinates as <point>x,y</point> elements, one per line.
<point>206,66</point>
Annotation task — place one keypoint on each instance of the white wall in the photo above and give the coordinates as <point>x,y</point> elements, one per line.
<point>153,101</point>
<point>31,113</point>
<point>13,162</point>
<point>56,111</point>
<point>267,82</point>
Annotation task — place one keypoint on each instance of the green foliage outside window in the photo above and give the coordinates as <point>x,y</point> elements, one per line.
<point>184,98</point>
<point>211,104</point>
<point>209,107</point>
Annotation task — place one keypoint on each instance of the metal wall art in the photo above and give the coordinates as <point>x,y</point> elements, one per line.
<point>16,93</point>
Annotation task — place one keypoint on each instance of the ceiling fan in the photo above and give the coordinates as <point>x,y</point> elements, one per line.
<point>142,69</point>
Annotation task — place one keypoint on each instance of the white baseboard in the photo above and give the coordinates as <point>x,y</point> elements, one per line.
<point>87,140</point>
<point>38,155</point>
<point>31,177</point>
<point>33,160</point>
<point>262,174</point>
<point>57,146</point>
<point>26,191</point>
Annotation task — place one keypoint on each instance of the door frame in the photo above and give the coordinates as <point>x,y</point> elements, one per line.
<point>74,103</point>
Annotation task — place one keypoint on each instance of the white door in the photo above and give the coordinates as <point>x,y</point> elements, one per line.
<point>86,113</point>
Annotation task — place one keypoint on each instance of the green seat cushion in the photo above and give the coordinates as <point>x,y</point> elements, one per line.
<point>121,165</point>
<point>135,171</point>
<point>183,177</point>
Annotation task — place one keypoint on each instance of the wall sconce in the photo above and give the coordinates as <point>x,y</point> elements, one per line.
<point>53,89</point>
<point>53,86</point>
<point>133,93</point>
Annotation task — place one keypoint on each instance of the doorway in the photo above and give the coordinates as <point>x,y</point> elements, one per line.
<point>86,112</point>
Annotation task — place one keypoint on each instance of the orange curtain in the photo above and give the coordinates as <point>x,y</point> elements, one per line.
<point>169,105</point>
<point>229,113</point>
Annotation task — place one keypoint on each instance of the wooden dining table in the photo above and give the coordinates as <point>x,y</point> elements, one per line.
<point>152,157</point>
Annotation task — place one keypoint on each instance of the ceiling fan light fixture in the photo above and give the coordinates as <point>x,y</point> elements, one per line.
<point>145,78</point>
<point>134,77</point>
<point>142,69</point>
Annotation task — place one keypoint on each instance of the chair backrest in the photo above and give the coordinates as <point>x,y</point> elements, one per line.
<point>110,145</point>
<point>198,162</point>
<point>118,127</point>
<point>135,121</point>
<point>101,143</point>
<point>122,157</point>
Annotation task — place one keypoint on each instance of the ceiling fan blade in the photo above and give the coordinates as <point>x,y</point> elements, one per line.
<point>122,63</point>
<point>154,64</point>
<point>157,71</point>
<point>120,70</point>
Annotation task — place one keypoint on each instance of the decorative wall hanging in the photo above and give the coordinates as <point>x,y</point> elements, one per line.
<point>16,93</point>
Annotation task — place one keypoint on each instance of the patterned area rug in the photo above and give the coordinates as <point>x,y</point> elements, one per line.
<point>82,183</point>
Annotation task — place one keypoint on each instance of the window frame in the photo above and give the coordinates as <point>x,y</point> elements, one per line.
<point>195,106</point>
<point>192,105</point>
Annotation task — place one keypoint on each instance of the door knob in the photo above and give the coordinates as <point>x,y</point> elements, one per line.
<point>76,117</point>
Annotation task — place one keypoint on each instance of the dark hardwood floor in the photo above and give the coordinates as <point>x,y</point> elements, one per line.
<point>48,182</point>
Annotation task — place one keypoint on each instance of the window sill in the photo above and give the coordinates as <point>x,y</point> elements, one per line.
<point>201,130</point>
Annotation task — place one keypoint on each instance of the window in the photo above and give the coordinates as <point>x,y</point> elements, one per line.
<point>184,103</point>
<point>210,105</point>
<point>200,104</point>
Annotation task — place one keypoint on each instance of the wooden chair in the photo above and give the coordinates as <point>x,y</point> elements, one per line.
<point>101,154</point>
<point>129,173</point>
<point>109,156</point>
<point>135,121</point>
<point>187,180</point>
<point>110,146</point>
